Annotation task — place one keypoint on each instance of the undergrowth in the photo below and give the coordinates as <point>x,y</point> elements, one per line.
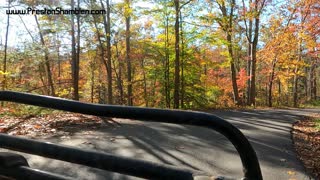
<point>22,110</point>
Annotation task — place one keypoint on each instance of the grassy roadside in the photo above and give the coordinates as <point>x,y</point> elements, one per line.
<point>306,138</point>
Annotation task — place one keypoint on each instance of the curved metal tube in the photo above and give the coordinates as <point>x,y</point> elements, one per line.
<point>91,158</point>
<point>251,167</point>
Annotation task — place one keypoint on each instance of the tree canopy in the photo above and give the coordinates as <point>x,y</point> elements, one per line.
<point>187,54</point>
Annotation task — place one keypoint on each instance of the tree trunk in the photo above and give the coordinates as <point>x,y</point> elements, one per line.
<point>295,87</point>
<point>233,73</point>
<point>4,82</point>
<point>252,49</point>
<point>279,92</point>
<point>249,73</point>
<point>249,39</point>
<point>182,65</point>
<point>296,77</point>
<point>46,59</point>
<point>228,29</point>
<point>107,26</point>
<point>127,19</point>
<point>109,73</point>
<point>59,61</point>
<point>166,66</point>
<point>253,63</point>
<point>313,80</point>
<point>74,58</point>
<point>176,93</point>
<point>102,50</point>
<point>306,83</point>
<point>92,68</point>
<point>41,75</point>
<point>145,91</point>
<point>232,66</point>
<point>102,54</point>
<point>271,82</point>
<point>153,91</point>
<point>119,75</point>
<point>77,67</point>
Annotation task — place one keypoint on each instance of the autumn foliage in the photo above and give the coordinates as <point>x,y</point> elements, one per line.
<point>230,53</point>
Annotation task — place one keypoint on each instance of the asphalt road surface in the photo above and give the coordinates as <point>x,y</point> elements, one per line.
<point>191,147</point>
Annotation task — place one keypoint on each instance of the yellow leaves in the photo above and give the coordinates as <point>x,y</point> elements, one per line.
<point>211,15</point>
<point>221,1</point>
<point>197,86</point>
<point>251,15</point>
<point>225,54</point>
<point>309,41</point>
<point>148,24</point>
<point>4,73</point>
<point>225,64</point>
<point>203,78</point>
<point>291,173</point>
<point>64,92</point>
<point>202,62</point>
<point>127,9</point>
<point>300,73</point>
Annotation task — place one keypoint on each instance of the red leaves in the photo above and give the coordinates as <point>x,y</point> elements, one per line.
<point>3,129</point>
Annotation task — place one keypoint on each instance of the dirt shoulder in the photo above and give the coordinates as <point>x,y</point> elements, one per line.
<point>52,124</point>
<point>306,138</point>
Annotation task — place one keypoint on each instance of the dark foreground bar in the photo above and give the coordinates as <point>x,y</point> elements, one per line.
<point>95,159</point>
<point>139,168</point>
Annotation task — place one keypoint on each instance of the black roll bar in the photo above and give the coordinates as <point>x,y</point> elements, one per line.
<point>144,169</point>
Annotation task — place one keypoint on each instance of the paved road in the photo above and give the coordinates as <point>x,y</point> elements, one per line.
<point>191,147</point>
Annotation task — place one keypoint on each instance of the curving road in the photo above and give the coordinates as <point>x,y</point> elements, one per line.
<point>191,147</point>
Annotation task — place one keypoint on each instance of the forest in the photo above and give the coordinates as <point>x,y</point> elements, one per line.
<point>182,54</point>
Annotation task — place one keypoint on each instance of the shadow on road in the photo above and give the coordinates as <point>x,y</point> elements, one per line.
<point>187,146</point>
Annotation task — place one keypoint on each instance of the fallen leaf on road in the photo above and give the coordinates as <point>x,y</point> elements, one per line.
<point>283,160</point>
<point>291,172</point>
<point>37,126</point>
<point>180,147</point>
<point>87,142</point>
<point>65,137</point>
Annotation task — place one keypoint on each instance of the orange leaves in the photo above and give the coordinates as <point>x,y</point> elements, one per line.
<point>242,79</point>
<point>37,126</point>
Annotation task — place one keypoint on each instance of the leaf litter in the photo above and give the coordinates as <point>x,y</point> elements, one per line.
<point>53,124</point>
<point>306,137</point>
